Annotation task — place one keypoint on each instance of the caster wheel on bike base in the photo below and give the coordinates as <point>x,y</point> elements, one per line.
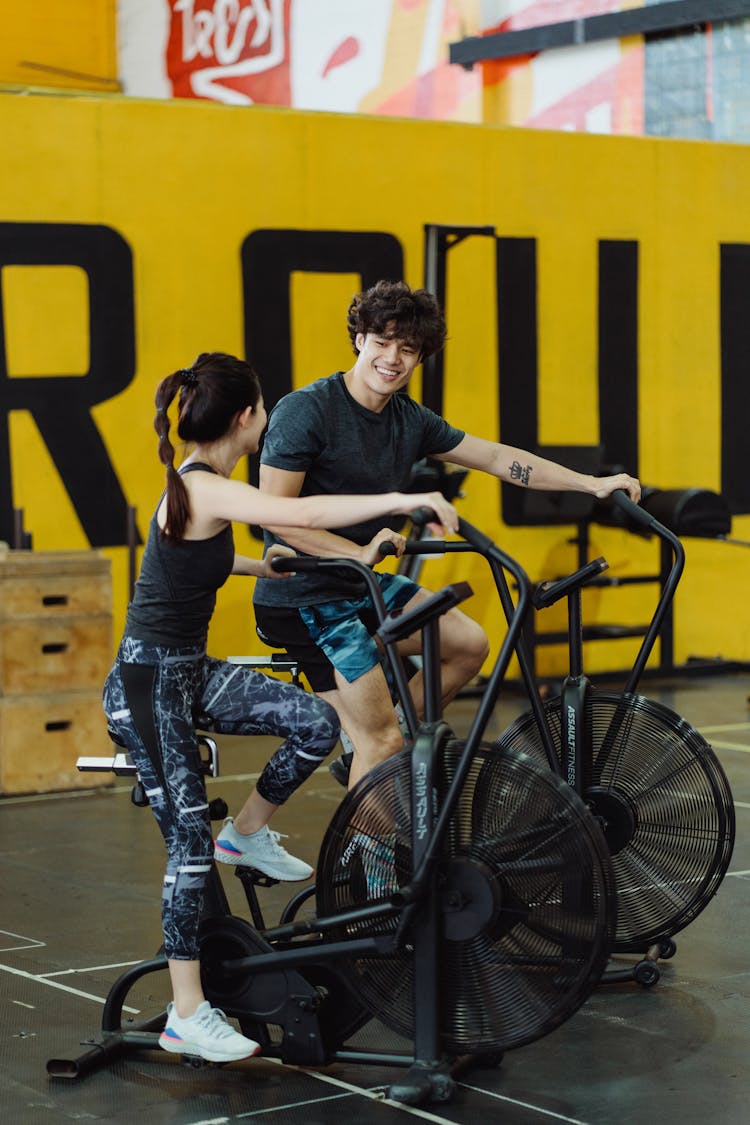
<point>667,949</point>
<point>646,973</point>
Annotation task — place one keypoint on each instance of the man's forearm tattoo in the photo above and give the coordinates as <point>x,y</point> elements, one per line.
<point>521,472</point>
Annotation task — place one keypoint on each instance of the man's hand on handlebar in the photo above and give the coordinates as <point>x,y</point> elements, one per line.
<point>416,503</point>
<point>607,485</point>
<point>371,554</point>
<point>277,551</point>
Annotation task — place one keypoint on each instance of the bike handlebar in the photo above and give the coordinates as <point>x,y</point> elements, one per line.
<point>413,547</point>
<point>634,511</point>
<point>649,523</point>
<point>422,516</point>
<point>409,621</point>
<point>475,538</point>
<point>284,564</point>
<point>547,593</point>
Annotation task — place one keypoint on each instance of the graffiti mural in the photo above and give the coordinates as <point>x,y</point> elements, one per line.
<point>342,55</point>
<point>392,58</point>
<point>229,51</point>
<point>685,82</point>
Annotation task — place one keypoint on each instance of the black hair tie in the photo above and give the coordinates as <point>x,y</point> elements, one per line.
<point>189,377</point>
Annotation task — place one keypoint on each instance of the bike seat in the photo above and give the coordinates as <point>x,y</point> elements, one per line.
<point>276,661</point>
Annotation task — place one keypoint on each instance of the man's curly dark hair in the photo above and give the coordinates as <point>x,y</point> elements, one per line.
<point>391,308</point>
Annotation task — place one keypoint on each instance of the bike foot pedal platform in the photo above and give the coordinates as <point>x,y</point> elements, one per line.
<point>197,1062</point>
<point>254,877</point>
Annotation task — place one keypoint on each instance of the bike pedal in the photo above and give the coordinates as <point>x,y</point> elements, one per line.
<point>254,877</point>
<point>197,1062</point>
<point>339,769</point>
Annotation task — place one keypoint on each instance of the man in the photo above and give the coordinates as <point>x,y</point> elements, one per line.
<point>354,432</point>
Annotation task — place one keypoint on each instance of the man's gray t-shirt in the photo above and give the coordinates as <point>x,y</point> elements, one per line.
<point>342,447</point>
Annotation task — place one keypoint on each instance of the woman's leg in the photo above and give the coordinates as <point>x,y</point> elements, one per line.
<point>238,700</point>
<point>187,990</point>
<point>149,706</point>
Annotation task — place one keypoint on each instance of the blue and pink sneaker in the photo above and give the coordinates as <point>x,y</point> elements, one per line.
<point>260,850</point>
<point>207,1034</point>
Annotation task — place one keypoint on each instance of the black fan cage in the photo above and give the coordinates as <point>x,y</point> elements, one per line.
<point>526,898</point>
<point>667,803</point>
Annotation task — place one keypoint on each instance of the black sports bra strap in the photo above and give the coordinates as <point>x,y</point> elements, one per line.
<point>184,469</point>
<point>196,465</point>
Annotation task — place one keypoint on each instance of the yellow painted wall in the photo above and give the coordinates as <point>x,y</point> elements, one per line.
<point>68,44</point>
<point>184,184</point>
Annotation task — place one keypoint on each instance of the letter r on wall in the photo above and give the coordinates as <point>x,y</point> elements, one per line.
<point>61,404</point>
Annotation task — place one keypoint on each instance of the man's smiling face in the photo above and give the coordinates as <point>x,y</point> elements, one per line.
<point>385,362</point>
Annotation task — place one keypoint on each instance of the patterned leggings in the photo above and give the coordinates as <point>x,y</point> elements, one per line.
<point>154,698</point>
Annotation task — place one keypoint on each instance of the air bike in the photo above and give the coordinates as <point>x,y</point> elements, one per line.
<point>465,896</point>
<point>650,780</point>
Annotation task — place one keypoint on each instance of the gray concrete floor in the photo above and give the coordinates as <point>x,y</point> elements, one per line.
<point>80,880</point>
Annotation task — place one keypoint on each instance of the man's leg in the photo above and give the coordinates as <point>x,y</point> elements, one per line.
<point>365,709</point>
<point>334,641</point>
<point>365,706</point>
<point>463,650</point>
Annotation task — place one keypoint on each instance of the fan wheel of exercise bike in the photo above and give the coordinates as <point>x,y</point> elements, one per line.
<point>665,805</point>
<point>526,898</point>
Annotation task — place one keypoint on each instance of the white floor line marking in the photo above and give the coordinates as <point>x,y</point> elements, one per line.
<point>374,1095</point>
<point>55,796</point>
<point>737,874</point>
<point>290,1105</point>
<point>743,749</point>
<point>88,969</point>
<point>29,942</point>
<point>524,1105</point>
<point>742,804</point>
<point>62,987</point>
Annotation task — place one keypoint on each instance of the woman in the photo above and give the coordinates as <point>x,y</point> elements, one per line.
<point>163,685</point>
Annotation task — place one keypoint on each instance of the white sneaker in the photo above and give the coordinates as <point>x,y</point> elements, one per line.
<point>206,1033</point>
<point>260,850</point>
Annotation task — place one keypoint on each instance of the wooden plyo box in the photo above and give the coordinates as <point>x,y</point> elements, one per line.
<point>55,651</point>
<point>41,736</point>
<point>53,655</point>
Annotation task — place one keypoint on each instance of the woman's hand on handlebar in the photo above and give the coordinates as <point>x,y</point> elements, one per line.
<point>277,551</point>
<point>446,519</point>
<point>446,516</point>
<point>607,485</point>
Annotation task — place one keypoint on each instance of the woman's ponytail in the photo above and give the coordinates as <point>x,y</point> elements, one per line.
<point>178,501</point>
